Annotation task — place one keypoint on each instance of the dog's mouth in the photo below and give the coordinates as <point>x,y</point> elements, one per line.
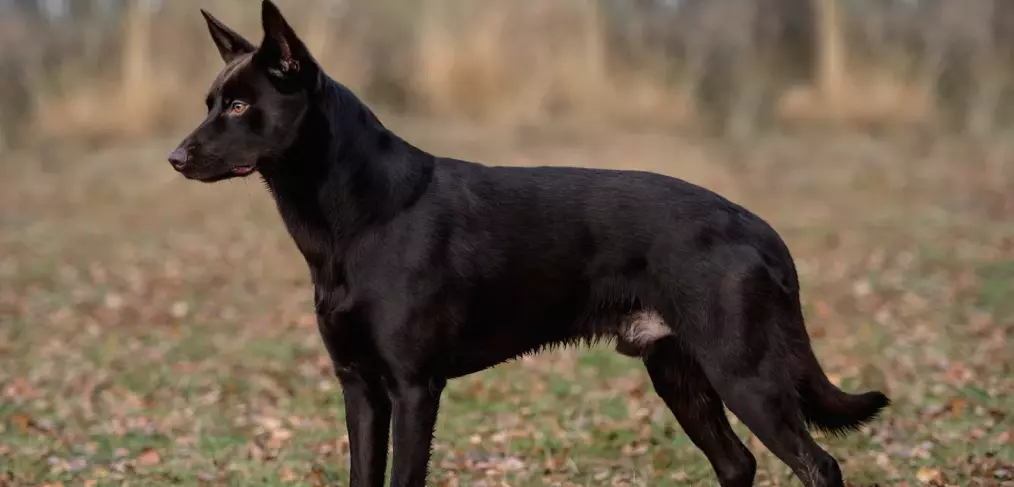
<point>234,172</point>
<point>243,170</point>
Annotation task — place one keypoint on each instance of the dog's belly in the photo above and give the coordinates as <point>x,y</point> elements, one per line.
<point>462,367</point>
<point>466,363</point>
<point>634,335</point>
<point>476,352</point>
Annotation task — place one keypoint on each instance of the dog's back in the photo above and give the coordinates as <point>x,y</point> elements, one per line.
<point>577,250</point>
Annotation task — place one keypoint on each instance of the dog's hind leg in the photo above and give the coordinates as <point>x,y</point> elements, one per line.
<point>772,413</point>
<point>745,349</point>
<point>681,383</point>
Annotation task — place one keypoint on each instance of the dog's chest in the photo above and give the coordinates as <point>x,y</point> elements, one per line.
<point>343,324</point>
<point>346,336</point>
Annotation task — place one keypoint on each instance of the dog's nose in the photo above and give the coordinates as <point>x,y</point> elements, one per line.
<point>179,157</point>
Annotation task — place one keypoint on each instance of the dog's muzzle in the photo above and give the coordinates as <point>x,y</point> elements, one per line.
<point>179,158</point>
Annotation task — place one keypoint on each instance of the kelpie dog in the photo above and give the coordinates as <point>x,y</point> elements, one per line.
<point>428,268</point>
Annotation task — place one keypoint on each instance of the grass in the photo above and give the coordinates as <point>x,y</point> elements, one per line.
<point>160,332</point>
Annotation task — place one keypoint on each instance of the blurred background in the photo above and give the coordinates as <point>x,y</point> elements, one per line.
<point>109,69</point>
<point>157,331</point>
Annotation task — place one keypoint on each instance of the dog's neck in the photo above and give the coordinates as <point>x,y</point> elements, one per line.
<point>344,174</point>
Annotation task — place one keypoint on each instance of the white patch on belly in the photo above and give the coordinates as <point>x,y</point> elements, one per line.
<point>639,330</point>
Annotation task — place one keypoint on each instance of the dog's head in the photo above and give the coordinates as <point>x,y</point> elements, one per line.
<point>255,105</point>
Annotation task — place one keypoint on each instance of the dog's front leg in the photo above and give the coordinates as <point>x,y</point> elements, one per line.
<point>368,417</point>
<point>415,416</point>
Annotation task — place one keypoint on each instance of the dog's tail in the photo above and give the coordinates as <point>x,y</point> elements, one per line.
<point>828,408</point>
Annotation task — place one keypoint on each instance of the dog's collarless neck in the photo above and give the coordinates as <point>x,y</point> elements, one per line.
<point>345,173</point>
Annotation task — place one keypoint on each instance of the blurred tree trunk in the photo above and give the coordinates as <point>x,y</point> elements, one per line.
<point>730,56</point>
<point>136,63</point>
<point>831,53</point>
<point>968,73</point>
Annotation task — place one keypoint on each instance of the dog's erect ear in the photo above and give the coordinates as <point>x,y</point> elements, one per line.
<point>282,53</point>
<point>230,44</point>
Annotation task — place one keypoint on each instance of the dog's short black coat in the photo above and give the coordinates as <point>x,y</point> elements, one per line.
<point>428,268</point>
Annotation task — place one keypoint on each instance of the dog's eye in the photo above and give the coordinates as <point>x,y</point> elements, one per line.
<point>237,107</point>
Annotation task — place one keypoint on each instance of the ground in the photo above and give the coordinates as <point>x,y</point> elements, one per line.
<point>157,331</point>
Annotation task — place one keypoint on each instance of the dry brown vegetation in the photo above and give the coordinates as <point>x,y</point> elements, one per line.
<point>731,66</point>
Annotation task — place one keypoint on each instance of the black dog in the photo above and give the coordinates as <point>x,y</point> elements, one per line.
<point>427,268</point>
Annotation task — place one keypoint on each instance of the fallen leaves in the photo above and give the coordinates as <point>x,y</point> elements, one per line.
<point>148,458</point>
<point>25,424</point>
<point>929,475</point>
<point>149,341</point>
<point>22,389</point>
<point>22,421</point>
